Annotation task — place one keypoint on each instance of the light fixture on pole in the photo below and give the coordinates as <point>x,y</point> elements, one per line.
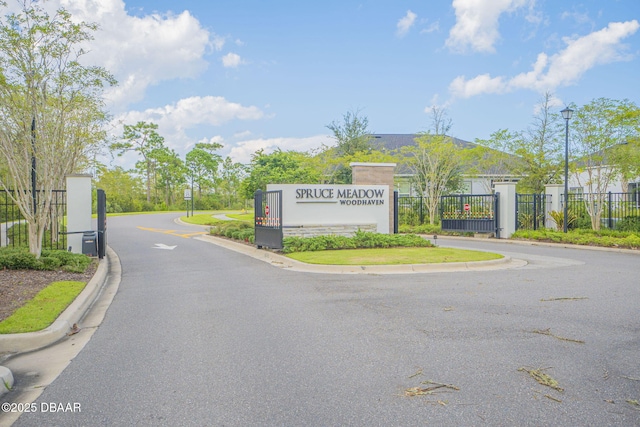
<point>566,115</point>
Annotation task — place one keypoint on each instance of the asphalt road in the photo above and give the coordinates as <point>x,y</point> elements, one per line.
<point>200,335</point>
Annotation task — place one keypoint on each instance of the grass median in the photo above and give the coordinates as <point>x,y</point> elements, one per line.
<point>392,256</point>
<point>42,310</point>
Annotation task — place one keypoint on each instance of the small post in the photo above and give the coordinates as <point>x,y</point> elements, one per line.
<point>610,221</point>
<point>34,195</point>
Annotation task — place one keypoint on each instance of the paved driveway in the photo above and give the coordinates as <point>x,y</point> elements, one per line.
<point>200,335</point>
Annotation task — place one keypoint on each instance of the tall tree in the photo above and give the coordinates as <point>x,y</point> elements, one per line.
<point>436,162</point>
<point>231,175</point>
<point>490,159</point>
<point>279,167</point>
<point>143,139</point>
<point>169,172</point>
<point>597,131</point>
<point>353,138</point>
<point>125,191</point>
<point>540,149</point>
<point>51,106</point>
<point>626,155</point>
<point>534,155</point>
<point>202,164</point>
<point>352,135</point>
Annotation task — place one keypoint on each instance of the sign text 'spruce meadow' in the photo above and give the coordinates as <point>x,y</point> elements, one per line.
<point>347,196</point>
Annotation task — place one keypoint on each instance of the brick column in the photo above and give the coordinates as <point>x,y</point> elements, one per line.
<point>376,174</point>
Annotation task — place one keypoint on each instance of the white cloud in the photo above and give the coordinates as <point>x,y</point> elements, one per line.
<point>460,87</point>
<point>562,69</point>
<point>580,55</point>
<point>477,23</point>
<point>142,50</point>
<point>244,149</point>
<point>435,26</point>
<point>194,111</point>
<point>243,134</point>
<point>231,60</point>
<point>175,120</point>
<point>405,23</point>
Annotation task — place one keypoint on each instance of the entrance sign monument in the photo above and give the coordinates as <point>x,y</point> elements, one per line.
<point>323,209</point>
<point>333,209</point>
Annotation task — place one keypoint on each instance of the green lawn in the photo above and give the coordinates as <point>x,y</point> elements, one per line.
<point>42,310</point>
<point>242,217</point>
<point>392,256</point>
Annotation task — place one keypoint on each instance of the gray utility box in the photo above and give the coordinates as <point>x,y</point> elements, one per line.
<point>90,243</point>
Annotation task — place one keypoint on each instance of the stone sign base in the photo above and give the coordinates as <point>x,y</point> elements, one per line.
<point>306,230</point>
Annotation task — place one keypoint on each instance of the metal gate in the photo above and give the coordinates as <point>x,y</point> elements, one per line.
<point>530,211</point>
<point>268,219</point>
<point>470,213</point>
<point>102,223</point>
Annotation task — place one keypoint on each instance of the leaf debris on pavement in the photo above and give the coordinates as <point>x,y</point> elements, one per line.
<point>548,332</point>
<point>542,378</point>
<point>420,391</point>
<point>563,299</point>
<point>418,373</point>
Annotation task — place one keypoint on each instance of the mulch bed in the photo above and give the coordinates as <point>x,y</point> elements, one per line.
<point>19,286</point>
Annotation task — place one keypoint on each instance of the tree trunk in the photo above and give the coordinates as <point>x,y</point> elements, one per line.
<point>35,239</point>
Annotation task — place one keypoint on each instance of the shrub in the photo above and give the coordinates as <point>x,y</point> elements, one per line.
<point>558,218</point>
<point>17,259</point>
<point>49,263</point>
<point>21,259</point>
<point>605,238</point>
<point>630,223</point>
<point>361,239</point>
<point>239,230</point>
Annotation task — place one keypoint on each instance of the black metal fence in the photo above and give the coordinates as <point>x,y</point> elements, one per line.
<point>14,229</point>
<point>615,211</point>
<point>469,213</point>
<point>531,211</point>
<point>411,210</point>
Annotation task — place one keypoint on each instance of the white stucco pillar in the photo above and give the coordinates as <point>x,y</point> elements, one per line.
<point>507,208</point>
<point>555,191</point>
<point>78,209</point>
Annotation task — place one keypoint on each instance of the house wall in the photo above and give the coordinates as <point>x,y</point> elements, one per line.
<point>615,186</point>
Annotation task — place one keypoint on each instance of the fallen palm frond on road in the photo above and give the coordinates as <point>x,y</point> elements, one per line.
<point>548,332</point>
<point>542,378</point>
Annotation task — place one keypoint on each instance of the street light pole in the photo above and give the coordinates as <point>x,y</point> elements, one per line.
<point>566,115</point>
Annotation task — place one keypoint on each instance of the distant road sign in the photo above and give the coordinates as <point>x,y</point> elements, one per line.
<point>467,207</point>
<point>187,194</point>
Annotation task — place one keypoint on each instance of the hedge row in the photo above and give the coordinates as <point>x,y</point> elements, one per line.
<point>21,259</point>
<point>361,239</point>
<point>238,230</point>
<point>606,238</point>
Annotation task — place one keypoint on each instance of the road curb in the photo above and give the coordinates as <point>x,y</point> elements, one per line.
<point>21,343</point>
<point>534,243</point>
<point>7,380</point>
<point>284,262</point>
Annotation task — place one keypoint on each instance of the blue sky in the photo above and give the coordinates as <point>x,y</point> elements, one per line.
<point>265,74</point>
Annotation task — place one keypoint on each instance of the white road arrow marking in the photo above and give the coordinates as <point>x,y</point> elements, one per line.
<point>166,247</point>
